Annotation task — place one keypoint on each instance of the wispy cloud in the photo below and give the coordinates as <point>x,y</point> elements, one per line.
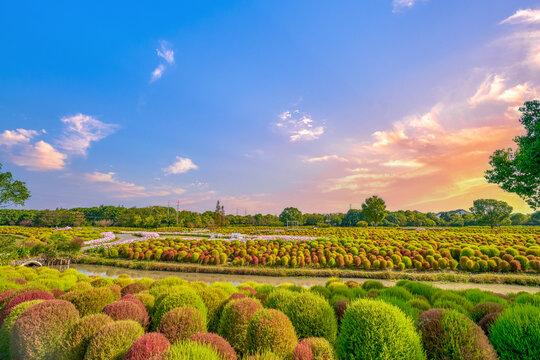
<point>123,189</point>
<point>14,137</point>
<point>494,89</point>
<point>523,16</point>
<point>39,156</point>
<point>180,166</point>
<point>326,158</point>
<point>299,126</point>
<point>399,5</point>
<point>81,130</point>
<point>166,53</point>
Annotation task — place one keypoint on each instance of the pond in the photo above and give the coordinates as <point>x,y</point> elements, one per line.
<point>111,271</point>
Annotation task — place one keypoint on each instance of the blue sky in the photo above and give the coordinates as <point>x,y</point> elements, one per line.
<point>263,104</point>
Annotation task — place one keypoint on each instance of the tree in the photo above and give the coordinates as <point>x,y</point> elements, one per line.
<point>519,171</point>
<point>290,214</point>
<point>490,211</point>
<point>352,217</point>
<point>374,209</point>
<point>519,219</point>
<point>12,192</point>
<point>219,215</point>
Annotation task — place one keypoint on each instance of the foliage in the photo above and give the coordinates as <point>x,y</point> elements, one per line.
<point>127,310</point>
<point>312,316</point>
<point>190,350</point>
<point>5,330</point>
<point>186,297</point>
<point>182,322</point>
<point>515,334</point>
<point>373,329</point>
<point>113,340</point>
<point>490,211</point>
<point>148,345</point>
<point>219,344</point>
<point>290,214</point>
<point>518,171</point>
<point>90,301</point>
<point>374,209</point>
<point>271,330</point>
<point>234,322</point>
<point>78,336</point>
<point>314,349</point>
<point>12,191</point>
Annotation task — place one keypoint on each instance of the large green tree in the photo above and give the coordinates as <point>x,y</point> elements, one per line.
<point>374,209</point>
<point>519,171</point>
<point>491,212</point>
<point>291,214</point>
<point>12,192</point>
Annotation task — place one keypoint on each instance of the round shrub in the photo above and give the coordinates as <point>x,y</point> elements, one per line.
<point>147,300</point>
<point>372,284</point>
<point>515,334</point>
<point>219,344</point>
<point>181,323</point>
<point>481,310</point>
<point>113,340</point>
<point>487,321</point>
<point>235,320</point>
<point>397,292</point>
<point>127,310</point>
<point>190,350</point>
<point>270,329</point>
<point>18,299</point>
<point>38,331</point>
<point>6,296</point>
<point>185,298</point>
<point>236,296</point>
<point>90,301</point>
<point>148,345</point>
<point>266,355</point>
<point>312,316</point>
<point>321,290</point>
<point>168,281</point>
<point>5,330</point>
<point>280,299</point>
<point>214,299</point>
<point>133,288</point>
<point>373,329</point>
<point>101,282</point>
<point>135,301</point>
<point>317,348</point>
<point>448,334</point>
<point>79,335</point>
<point>419,304</point>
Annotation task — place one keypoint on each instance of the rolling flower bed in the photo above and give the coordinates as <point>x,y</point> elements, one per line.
<point>410,320</point>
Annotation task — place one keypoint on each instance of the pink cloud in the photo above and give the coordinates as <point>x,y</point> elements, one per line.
<point>40,156</point>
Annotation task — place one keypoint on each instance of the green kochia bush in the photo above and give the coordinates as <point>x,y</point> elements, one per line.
<point>113,341</point>
<point>91,301</point>
<point>372,329</point>
<point>180,323</point>
<point>235,320</point>
<point>314,349</point>
<point>187,297</point>
<point>79,335</point>
<point>515,334</point>
<point>190,350</point>
<point>39,330</point>
<point>312,316</point>
<point>280,299</point>
<point>270,329</point>
<point>216,342</point>
<point>448,334</point>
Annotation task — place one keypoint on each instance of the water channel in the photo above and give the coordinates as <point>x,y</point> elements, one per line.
<point>306,281</point>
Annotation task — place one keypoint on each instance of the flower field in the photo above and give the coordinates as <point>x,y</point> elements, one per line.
<point>471,250</point>
<point>47,314</point>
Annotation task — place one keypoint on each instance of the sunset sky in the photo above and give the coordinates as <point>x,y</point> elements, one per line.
<point>264,104</point>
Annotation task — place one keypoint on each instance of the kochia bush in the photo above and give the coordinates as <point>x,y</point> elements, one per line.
<point>91,301</point>
<point>373,329</point>
<point>312,316</point>
<point>314,349</point>
<point>127,310</point>
<point>219,344</point>
<point>18,299</point>
<point>187,297</point>
<point>38,331</point>
<point>180,323</point>
<point>5,330</point>
<point>235,320</point>
<point>270,329</point>
<point>113,341</point>
<point>147,346</point>
<point>79,335</point>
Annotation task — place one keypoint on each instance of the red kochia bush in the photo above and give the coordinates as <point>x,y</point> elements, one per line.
<point>18,281</point>
<point>180,323</point>
<point>27,296</point>
<point>303,351</point>
<point>5,297</point>
<point>133,288</point>
<point>147,346</point>
<point>487,321</point>
<point>57,293</point>
<point>216,342</point>
<point>236,296</point>
<point>127,310</point>
<point>39,330</point>
<point>339,308</point>
<point>133,299</point>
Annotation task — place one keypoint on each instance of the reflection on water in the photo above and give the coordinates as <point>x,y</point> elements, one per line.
<point>111,271</point>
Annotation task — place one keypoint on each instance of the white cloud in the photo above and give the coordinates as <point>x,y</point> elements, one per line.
<point>81,131</point>
<point>326,158</point>
<point>124,189</point>
<point>403,163</point>
<point>524,16</point>
<point>399,5</point>
<point>14,137</point>
<point>181,166</point>
<point>299,126</point>
<point>158,72</point>
<point>165,52</point>
<point>40,156</point>
<point>494,89</point>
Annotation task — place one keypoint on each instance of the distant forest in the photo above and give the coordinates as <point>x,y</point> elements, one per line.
<point>161,216</point>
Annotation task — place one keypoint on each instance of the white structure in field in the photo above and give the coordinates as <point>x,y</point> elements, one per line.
<point>237,236</point>
<point>292,225</point>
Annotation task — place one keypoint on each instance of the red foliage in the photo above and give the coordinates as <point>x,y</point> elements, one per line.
<point>6,296</point>
<point>57,293</point>
<point>147,346</point>
<point>487,321</point>
<point>515,265</point>
<point>133,288</point>
<point>236,296</point>
<point>27,296</point>
<point>133,299</point>
<point>339,308</point>
<point>303,351</point>
<point>215,341</point>
<point>127,310</point>
<point>18,281</point>
<point>180,323</point>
